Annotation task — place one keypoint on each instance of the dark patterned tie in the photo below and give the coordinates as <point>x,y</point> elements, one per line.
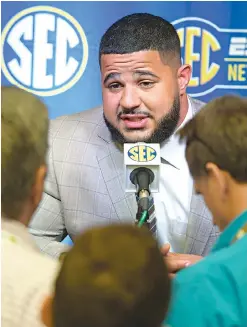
<point>151,221</point>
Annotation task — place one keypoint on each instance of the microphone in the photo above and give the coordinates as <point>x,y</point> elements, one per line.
<point>142,177</point>
<point>142,172</point>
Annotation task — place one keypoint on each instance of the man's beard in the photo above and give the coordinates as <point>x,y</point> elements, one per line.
<point>165,128</point>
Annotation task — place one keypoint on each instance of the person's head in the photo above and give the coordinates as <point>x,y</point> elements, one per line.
<point>114,276</point>
<point>24,145</point>
<point>143,81</point>
<point>216,153</point>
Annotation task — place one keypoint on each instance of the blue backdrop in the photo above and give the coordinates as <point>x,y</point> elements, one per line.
<point>51,48</point>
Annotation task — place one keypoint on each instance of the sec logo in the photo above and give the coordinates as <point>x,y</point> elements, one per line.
<point>218,56</point>
<point>142,153</point>
<point>47,50</point>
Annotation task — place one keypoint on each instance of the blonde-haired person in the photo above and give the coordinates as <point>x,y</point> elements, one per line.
<point>27,274</point>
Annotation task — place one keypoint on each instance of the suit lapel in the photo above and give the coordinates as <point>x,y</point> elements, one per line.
<point>111,164</point>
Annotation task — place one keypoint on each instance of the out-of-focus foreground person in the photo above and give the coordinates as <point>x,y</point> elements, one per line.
<point>114,276</point>
<point>214,291</point>
<point>27,275</point>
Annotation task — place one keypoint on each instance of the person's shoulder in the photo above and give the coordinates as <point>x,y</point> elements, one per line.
<point>28,256</point>
<point>218,270</point>
<point>28,276</point>
<point>86,120</point>
<point>45,260</point>
<point>30,271</point>
<point>92,115</point>
<point>200,292</point>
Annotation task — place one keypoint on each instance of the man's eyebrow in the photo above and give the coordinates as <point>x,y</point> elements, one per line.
<point>145,73</point>
<point>111,76</point>
<point>136,72</point>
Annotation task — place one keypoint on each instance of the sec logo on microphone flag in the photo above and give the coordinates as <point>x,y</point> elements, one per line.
<point>142,153</point>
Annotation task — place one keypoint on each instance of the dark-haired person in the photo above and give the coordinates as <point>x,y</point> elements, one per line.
<point>144,99</point>
<point>97,287</point>
<point>27,275</point>
<point>214,291</point>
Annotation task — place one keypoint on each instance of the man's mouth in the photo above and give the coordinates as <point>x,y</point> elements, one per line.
<point>134,121</point>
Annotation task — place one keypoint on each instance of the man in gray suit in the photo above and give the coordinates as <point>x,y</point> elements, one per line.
<point>144,99</point>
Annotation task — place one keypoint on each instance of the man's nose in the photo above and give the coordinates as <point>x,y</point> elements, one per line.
<point>130,98</point>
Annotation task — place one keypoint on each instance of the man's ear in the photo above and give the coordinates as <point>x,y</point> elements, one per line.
<point>38,186</point>
<point>218,177</point>
<point>183,75</point>
<point>46,311</point>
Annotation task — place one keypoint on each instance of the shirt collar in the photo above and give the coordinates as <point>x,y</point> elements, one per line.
<point>173,152</point>
<point>230,232</point>
<point>16,232</point>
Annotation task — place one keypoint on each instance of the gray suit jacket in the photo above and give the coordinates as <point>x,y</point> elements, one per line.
<point>84,186</point>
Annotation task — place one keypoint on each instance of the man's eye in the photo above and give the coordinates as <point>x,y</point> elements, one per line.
<point>146,84</point>
<point>114,86</point>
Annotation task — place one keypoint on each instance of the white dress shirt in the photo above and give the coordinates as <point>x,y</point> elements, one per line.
<point>172,203</point>
<point>27,277</point>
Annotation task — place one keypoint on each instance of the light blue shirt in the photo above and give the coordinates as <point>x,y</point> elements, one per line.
<point>67,240</point>
<point>213,292</point>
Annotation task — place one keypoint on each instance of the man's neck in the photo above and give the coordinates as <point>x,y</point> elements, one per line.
<point>26,216</point>
<point>184,106</point>
<point>237,203</point>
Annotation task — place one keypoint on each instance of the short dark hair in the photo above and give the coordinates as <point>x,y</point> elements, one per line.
<point>139,32</point>
<point>114,276</point>
<point>218,134</point>
<point>24,144</point>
